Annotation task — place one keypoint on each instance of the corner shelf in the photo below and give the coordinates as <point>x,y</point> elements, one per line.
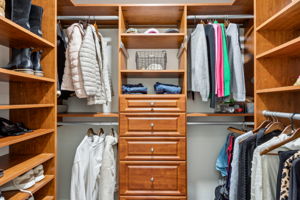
<point>220,114</point>
<point>15,166</point>
<point>13,35</point>
<point>153,73</point>
<point>61,115</point>
<point>152,41</point>
<point>17,195</point>
<point>25,106</point>
<point>290,49</point>
<point>285,19</point>
<point>279,90</point>
<point>6,141</point>
<point>10,75</point>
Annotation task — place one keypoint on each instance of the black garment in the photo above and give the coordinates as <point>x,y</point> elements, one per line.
<point>210,39</point>
<point>61,56</point>
<point>245,161</point>
<point>294,192</point>
<point>283,156</point>
<point>190,93</point>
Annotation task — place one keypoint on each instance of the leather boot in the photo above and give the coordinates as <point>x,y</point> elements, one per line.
<point>36,62</point>
<point>15,59</point>
<point>2,8</point>
<point>25,64</point>
<point>18,11</point>
<point>35,19</point>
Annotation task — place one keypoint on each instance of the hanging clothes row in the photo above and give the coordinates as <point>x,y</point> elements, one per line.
<point>94,171</point>
<point>215,64</point>
<point>264,166</point>
<point>85,71</point>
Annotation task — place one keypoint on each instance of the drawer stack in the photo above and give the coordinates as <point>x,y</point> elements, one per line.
<point>152,147</point>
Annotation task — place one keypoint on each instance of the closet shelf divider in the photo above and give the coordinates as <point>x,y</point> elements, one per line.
<point>48,198</point>
<point>220,114</point>
<point>279,90</point>
<point>13,35</point>
<point>153,73</point>
<point>25,106</point>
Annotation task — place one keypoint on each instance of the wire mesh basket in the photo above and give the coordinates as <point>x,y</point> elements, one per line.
<point>151,60</point>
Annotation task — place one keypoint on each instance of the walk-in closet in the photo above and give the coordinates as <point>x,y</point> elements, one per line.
<point>149,100</point>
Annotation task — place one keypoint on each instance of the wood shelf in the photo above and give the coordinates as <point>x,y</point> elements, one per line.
<point>220,114</point>
<point>285,19</point>
<point>10,75</point>
<point>87,115</point>
<point>279,89</point>
<point>13,35</point>
<point>152,73</point>
<point>290,49</point>
<point>25,106</point>
<point>15,166</point>
<point>6,141</point>
<point>152,41</point>
<point>48,198</point>
<point>17,195</point>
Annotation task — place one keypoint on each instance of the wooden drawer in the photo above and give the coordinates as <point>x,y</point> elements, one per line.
<point>152,124</point>
<point>152,103</point>
<point>151,198</point>
<point>142,148</point>
<point>152,178</point>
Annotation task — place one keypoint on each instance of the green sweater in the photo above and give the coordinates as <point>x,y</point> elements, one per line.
<point>227,73</point>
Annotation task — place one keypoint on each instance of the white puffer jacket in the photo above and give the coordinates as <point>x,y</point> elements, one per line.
<point>67,83</point>
<point>75,34</point>
<point>98,86</point>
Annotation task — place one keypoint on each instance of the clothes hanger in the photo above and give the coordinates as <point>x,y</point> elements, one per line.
<point>235,130</point>
<point>277,125</point>
<point>112,133</point>
<point>226,22</point>
<point>100,132</point>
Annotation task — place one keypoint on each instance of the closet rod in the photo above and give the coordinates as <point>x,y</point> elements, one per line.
<point>295,116</point>
<point>221,123</point>
<point>98,18</point>
<point>88,123</point>
<point>192,17</point>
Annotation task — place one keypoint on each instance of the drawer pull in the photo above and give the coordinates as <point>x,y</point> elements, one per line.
<point>152,125</point>
<point>152,179</point>
<point>152,149</point>
<point>152,104</point>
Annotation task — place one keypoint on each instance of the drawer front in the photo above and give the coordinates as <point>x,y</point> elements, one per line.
<point>153,178</point>
<point>151,198</point>
<point>168,148</point>
<point>153,103</point>
<point>152,124</point>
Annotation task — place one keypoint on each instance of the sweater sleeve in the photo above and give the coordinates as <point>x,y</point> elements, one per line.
<point>77,190</point>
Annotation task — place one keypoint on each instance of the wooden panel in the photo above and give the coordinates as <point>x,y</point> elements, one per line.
<point>142,148</point>
<point>280,89</point>
<point>152,198</point>
<point>6,141</point>
<point>13,76</point>
<point>154,103</point>
<point>152,73</point>
<point>24,38</point>
<point>25,106</point>
<point>17,195</point>
<point>152,41</point>
<point>88,10</point>
<point>219,114</point>
<point>152,125</point>
<point>48,198</point>
<point>152,178</point>
<point>15,166</point>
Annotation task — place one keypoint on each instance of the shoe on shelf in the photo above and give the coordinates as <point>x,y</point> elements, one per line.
<point>23,182</point>
<point>25,63</point>
<point>38,173</point>
<point>35,19</point>
<point>297,82</point>
<point>36,62</point>
<point>14,60</point>
<point>2,8</point>
<point>8,128</point>
<point>18,11</point>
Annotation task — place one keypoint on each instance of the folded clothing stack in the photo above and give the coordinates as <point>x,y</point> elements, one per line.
<point>134,89</point>
<point>161,88</point>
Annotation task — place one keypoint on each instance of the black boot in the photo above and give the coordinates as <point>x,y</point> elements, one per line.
<point>18,11</point>
<point>36,62</point>
<point>15,59</point>
<point>35,19</point>
<point>25,64</point>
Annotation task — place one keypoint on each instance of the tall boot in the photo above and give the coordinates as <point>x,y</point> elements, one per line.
<point>18,11</point>
<point>2,8</point>
<point>35,19</point>
<point>25,64</point>
<point>15,59</point>
<point>36,62</point>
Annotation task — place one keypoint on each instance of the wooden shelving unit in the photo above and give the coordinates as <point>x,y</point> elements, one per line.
<point>277,59</point>
<point>220,114</point>
<point>32,101</point>
<point>48,198</point>
<point>152,73</point>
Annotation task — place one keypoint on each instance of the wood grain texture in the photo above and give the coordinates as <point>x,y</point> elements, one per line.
<point>152,103</point>
<point>48,198</point>
<point>152,198</point>
<point>280,89</point>
<point>152,148</point>
<point>13,76</point>
<point>219,114</point>
<point>25,106</point>
<point>152,178</point>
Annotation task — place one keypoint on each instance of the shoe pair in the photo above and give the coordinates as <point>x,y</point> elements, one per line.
<point>25,181</point>
<point>9,128</point>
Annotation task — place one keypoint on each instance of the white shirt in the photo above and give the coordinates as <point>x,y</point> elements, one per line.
<point>235,166</point>
<point>86,168</point>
